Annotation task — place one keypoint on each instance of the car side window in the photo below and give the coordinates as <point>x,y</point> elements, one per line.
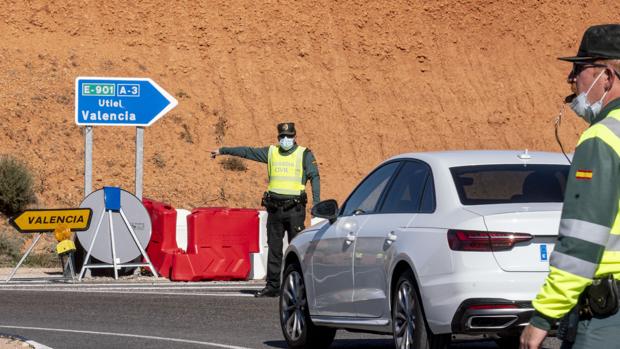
<point>366,196</point>
<point>405,194</point>
<point>428,198</point>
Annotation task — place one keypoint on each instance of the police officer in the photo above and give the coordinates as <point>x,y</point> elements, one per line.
<point>587,252</point>
<point>289,167</point>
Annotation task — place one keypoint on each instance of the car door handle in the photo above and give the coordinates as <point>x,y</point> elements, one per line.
<point>350,237</point>
<point>391,237</point>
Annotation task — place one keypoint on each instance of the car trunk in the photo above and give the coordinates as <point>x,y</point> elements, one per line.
<point>539,220</point>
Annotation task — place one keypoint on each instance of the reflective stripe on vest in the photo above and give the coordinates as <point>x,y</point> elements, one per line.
<point>286,171</point>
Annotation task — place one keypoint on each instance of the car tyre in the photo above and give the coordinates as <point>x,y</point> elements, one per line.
<point>297,327</point>
<point>408,324</point>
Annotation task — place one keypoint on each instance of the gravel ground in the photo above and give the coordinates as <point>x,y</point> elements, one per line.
<point>7,342</point>
<point>40,274</point>
<point>25,272</point>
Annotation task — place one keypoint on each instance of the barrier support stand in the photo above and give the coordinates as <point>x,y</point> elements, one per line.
<point>24,256</point>
<point>113,204</point>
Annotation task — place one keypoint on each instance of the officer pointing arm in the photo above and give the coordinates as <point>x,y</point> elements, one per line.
<point>289,167</point>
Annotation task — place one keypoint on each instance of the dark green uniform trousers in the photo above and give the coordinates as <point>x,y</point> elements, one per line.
<point>279,221</point>
<point>597,333</point>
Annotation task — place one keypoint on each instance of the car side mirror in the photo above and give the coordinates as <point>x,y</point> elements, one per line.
<point>327,209</point>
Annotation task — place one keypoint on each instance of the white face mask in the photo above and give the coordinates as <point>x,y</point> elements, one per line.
<point>286,143</point>
<point>583,108</point>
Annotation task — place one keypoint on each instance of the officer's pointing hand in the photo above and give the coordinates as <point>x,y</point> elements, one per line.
<point>215,153</point>
<point>532,337</point>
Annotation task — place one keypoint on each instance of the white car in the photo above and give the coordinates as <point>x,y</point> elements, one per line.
<point>428,247</point>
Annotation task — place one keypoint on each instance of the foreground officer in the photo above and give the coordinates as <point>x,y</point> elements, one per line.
<point>580,287</point>
<point>290,166</point>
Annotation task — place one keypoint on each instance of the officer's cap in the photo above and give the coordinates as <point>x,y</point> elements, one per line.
<point>598,42</point>
<point>286,129</point>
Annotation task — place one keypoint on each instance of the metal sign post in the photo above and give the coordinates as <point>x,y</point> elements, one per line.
<point>139,155</point>
<point>88,160</point>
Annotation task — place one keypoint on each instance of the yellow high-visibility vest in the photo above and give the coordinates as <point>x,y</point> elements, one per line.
<point>286,171</point>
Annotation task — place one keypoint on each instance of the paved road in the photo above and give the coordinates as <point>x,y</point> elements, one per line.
<point>157,315</point>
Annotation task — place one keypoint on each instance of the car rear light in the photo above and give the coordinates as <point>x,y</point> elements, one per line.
<point>484,241</point>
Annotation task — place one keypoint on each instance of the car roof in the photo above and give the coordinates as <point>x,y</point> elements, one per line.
<point>485,157</point>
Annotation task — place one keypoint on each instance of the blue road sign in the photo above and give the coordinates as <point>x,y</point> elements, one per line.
<point>120,101</point>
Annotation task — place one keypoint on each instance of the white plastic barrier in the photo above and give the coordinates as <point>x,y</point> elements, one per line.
<point>259,260</point>
<point>259,265</point>
<point>181,234</point>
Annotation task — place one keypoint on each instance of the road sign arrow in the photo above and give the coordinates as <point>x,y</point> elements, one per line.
<point>38,221</point>
<point>101,101</point>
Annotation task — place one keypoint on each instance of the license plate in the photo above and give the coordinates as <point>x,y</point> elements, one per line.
<point>544,254</point>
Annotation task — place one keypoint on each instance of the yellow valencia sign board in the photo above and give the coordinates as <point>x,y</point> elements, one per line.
<point>39,221</point>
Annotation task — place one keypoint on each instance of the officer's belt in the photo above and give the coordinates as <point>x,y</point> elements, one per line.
<point>280,202</point>
<point>286,202</point>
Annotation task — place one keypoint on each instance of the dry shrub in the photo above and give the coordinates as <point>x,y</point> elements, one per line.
<point>182,94</point>
<point>220,128</point>
<point>159,160</point>
<point>10,245</point>
<point>16,186</point>
<point>43,260</point>
<point>186,134</point>
<point>233,164</point>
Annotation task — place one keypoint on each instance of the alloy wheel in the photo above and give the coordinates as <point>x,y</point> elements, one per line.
<point>293,305</point>
<point>404,319</point>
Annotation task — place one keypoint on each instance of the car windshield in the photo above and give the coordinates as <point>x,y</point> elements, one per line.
<point>504,184</point>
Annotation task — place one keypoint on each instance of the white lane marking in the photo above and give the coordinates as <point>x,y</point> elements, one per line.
<point>177,340</point>
<point>132,292</point>
<point>36,345</point>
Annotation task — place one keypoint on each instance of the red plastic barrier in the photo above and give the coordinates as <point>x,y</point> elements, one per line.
<point>220,226</point>
<point>163,245</point>
<point>219,244</point>
<point>213,263</point>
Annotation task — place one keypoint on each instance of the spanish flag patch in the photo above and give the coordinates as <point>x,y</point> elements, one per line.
<point>584,174</point>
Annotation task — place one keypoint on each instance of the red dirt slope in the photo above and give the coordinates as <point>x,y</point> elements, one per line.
<point>363,80</point>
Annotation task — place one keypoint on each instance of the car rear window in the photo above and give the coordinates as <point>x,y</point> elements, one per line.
<point>503,184</point>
